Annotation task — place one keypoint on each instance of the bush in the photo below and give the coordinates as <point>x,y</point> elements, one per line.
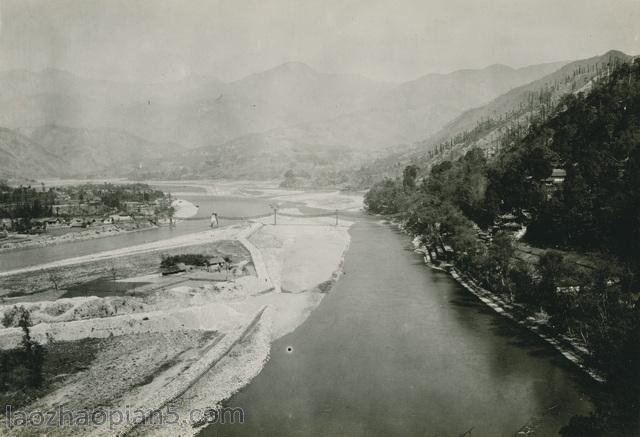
<point>22,367</point>
<point>192,259</point>
<point>10,317</point>
<point>521,278</point>
<point>32,351</point>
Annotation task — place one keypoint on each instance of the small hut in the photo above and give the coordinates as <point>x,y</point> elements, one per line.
<point>216,263</point>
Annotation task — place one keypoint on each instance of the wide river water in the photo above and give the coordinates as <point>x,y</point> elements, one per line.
<point>227,206</point>
<point>394,349</point>
<point>397,349</point>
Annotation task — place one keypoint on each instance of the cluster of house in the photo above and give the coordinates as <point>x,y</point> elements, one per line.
<point>94,207</point>
<point>75,214</point>
<point>49,223</point>
<point>214,265</point>
<point>515,226</point>
<point>508,223</point>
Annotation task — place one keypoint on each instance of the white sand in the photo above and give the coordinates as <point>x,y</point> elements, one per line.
<point>327,200</point>
<point>330,200</point>
<point>295,256</point>
<point>184,209</point>
<point>233,372</point>
<point>289,310</point>
<point>225,188</point>
<point>301,253</point>
<point>215,316</point>
<point>290,211</point>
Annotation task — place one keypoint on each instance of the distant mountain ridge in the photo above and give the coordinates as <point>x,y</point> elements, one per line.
<point>572,77</point>
<point>409,111</point>
<point>21,156</point>
<point>488,126</point>
<point>401,115</point>
<point>287,117</point>
<point>193,112</point>
<point>97,151</point>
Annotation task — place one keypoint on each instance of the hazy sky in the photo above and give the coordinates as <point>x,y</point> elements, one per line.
<point>394,40</point>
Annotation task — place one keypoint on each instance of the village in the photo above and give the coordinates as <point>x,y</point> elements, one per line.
<point>31,215</point>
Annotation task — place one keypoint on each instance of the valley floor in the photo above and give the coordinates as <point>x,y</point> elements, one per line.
<point>188,340</point>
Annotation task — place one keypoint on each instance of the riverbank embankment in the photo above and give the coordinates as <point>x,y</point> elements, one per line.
<point>93,232</point>
<point>567,347</point>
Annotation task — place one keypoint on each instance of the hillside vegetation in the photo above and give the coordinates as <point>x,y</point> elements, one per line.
<point>496,124</point>
<point>594,136</point>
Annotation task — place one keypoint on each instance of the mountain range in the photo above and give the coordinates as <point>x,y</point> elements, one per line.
<point>20,156</point>
<point>288,117</point>
<point>489,126</point>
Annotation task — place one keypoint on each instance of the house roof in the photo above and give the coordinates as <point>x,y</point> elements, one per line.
<point>216,260</point>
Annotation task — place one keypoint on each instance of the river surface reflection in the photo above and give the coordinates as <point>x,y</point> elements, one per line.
<point>397,349</point>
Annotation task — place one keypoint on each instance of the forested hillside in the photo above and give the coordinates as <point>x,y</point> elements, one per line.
<point>499,123</point>
<point>572,179</point>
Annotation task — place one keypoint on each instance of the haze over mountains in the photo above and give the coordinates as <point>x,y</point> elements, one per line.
<point>91,151</point>
<point>573,77</point>
<point>489,125</point>
<point>288,117</point>
<point>20,156</point>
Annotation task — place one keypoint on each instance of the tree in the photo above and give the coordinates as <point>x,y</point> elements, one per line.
<point>55,278</point>
<point>551,267</point>
<point>522,282</point>
<point>501,252</point>
<point>617,347</point>
<point>113,272</point>
<point>539,162</point>
<point>171,211</point>
<point>11,316</point>
<point>227,264</point>
<point>386,197</point>
<point>290,180</point>
<point>409,177</point>
<point>32,351</point>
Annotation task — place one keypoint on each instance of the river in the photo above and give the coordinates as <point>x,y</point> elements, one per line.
<point>223,205</point>
<point>394,349</point>
<point>398,349</point>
